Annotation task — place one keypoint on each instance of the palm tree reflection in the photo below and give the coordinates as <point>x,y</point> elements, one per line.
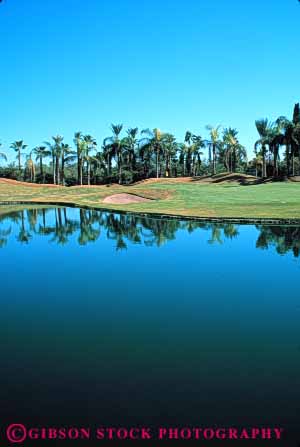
<point>84,226</point>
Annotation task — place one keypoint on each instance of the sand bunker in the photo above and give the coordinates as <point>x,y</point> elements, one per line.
<point>125,198</point>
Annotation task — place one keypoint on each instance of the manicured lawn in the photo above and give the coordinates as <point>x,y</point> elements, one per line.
<point>272,200</point>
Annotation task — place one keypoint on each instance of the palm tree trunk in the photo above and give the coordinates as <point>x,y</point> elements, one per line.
<point>287,160</point>
<point>89,172</point>
<point>275,170</point>
<point>234,160</point>
<point>120,167</point>
<point>194,166</point>
<point>19,160</point>
<point>264,167</point>
<point>81,174</point>
<point>63,170</point>
<point>199,163</point>
<point>78,167</point>
<point>57,170</point>
<point>41,169</point>
<point>214,159</point>
<point>53,170</point>
<point>157,162</point>
<point>226,160</point>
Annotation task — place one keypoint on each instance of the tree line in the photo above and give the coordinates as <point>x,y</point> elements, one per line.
<point>129,155</point>
<point>126,156</point>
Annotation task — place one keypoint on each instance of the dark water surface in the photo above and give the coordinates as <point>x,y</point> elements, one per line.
<point>109,319</point>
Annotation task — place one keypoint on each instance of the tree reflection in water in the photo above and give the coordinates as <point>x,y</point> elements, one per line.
<point>284,239</point>
<point>122,228</point>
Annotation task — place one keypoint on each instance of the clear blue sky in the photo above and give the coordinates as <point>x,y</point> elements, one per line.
<point>69,65</point>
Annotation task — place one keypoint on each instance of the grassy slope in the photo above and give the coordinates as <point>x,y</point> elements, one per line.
<point>273,200</point>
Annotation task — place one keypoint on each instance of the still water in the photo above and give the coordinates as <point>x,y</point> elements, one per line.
<point>127,320</point>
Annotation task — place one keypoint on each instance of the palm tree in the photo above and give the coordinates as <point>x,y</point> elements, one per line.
<point>18,147</point>
<point>290,140</point>
<point>145,154</point>
<point>153,141</point>
<point>67,155</point>
<point>234,150</point>
<point>131,144</point>
<point>264,128</point>
<point>215,144</point>
<point>188,152</point>
<point>107,151</point>
<point>195,149</point>
<point>89,145</point>
<point>41,152</point>
<point>98,166</point>
<point>78,141</point>
<point>183,148</point>
<point>52,153</point>
<point>276,139</point>
<point>170,148</point>
<point>117,146</point>
<point>56,152</point>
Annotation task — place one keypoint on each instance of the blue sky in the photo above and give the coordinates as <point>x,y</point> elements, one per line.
<point>69,65</point>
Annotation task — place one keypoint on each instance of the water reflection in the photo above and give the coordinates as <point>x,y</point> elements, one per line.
<point>284,239</point>
<point>60,224</point>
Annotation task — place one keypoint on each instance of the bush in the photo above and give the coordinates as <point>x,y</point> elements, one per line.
<point>11,173</point>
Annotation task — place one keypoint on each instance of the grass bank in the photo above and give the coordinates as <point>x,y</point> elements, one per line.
<point>280,200</point>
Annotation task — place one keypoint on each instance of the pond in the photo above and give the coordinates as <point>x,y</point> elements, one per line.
<point>117,319</point>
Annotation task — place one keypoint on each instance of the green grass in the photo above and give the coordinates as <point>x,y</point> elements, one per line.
<point>271,200</point>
